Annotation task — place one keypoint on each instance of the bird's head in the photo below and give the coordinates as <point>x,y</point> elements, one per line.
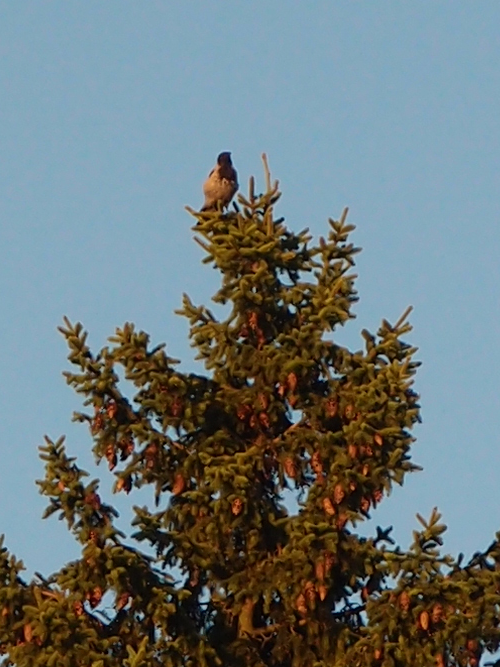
<point>224,158</point>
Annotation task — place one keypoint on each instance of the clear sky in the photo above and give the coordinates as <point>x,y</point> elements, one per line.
<point>111,115</point>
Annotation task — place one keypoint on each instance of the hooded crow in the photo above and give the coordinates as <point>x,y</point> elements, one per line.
<point>221,184</point>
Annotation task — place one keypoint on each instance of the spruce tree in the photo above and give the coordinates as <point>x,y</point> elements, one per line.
<point>223,571</point>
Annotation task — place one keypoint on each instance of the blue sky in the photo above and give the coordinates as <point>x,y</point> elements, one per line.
<point>111,115</point>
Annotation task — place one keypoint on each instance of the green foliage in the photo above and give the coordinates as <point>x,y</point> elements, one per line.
<point>282,406</point>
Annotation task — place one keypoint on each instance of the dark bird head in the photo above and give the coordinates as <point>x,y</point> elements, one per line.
<point>224,159</point>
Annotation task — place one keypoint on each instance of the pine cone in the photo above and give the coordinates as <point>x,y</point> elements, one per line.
<point>237,506</point>
<point>475,650</point>
<point>111,457</point>
<point>122,601</point>
<point>27,633</point>
<point>112,409</point>
<point>78,607</point>
<point>423,620</point>
<point>338,494</point>
<point>93,500</point>
<point>365,505</point>
<point>349,412</point>
<point>316,463</point>
<point>253,320</point>
<point>177,407</point>
<point>437,613</point>
<point>124,483</point>
<point>151,455</point>
<point>97,424</point>
<point>332,407</point>
<point>352,450</point>
<point>290,467</point>
<point>126,447</point>
<point>263,401</point>
<point>328,506</point>
<point>292,382</point>
<point>472,645</point>
<point>310,592</point>
<point>264,420</point>
<point>329,562</point>
<point>300,604</point>
<point>195,577</point>
<point>404,601</point>
<point>243,412</point>
<point>95,596</point>
<point>319,570</point>
<point>179,484</point>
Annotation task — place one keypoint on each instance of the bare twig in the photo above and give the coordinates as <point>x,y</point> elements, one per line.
<point>403,317</point>
<point>267,172</point>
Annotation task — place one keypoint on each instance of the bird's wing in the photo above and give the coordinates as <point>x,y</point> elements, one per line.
<point>212,185</point>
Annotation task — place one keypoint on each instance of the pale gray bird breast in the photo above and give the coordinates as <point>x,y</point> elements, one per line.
<point>221,184</point>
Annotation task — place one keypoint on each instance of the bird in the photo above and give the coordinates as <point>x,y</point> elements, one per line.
<point>221,184</point>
